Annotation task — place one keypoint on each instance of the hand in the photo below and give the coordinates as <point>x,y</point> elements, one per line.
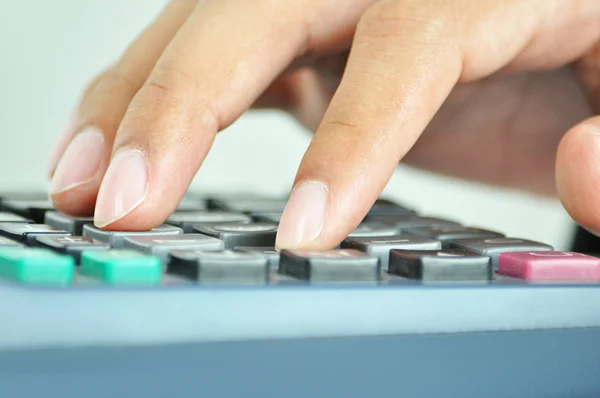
<point>499,91</point>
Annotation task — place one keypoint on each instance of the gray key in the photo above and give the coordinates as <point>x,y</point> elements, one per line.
<point>31,209</point>
<point>27,233</point>
<point>403,222</point>
<point>187,220</point>
<point>344,265</point>
<point>73,225</point>
<point>191,204</point>
<point>224,267</point>
<point>380,247</point>
<point>270,217</point>
<point>160,246</point>
<point>250,205</point>
<point>382,209</point>
<point>373,228</point>
<point>235,234</point>
<point>72,245</point>
<point>493,247</point>
<point>269,252</point>
<point>446,233</point>
<point>11,217</point>
<point>440,265</point>
<point>5,242</point>
<point>115,238</point>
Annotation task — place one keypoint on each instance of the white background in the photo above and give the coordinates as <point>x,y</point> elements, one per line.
<point>50,49</point>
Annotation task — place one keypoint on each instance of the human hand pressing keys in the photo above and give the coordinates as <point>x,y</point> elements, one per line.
<point>498,91</point>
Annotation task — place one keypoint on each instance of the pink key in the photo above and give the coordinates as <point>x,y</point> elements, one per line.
<point>549,266</point>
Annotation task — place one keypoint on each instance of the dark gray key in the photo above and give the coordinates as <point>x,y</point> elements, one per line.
<point>72,245</point>
<point>5,242</point>
<point>226,267</point>
<point>73,225</point>
<point>270,253</point>
<point>160,246</point>
<point>250,205</point>
<point>270,217</point>
<point>404,222</point>
<point>191,204</point>
<point>344,265</point>
<point>493,247</point>
<point>373,228</point>
<point>446,233</point>
<point>27,233</point>
<point>31,209</point>
<point>382,208</point>
<point>11,217</point>
<point>440,265</point>
<point>380,247</point>
<point>115,238</point>
<point>254,234</point>
<point>187,220</point>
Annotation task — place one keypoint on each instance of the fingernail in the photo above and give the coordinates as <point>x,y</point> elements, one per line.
<point>61,145</point>
<point>304,215</point>
<point>80,162</point>
<point>123,188</point>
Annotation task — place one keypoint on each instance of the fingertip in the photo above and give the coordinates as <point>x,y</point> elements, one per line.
<point>578,173</point>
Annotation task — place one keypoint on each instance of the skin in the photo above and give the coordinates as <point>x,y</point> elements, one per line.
<point>498,91</point>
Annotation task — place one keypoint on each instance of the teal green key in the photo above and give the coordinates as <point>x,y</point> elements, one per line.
<point>121,267</point>
<point>36,266</point>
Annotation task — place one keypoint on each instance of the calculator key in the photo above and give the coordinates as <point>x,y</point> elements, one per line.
<point>440,265</point>
<point>11,217</point>
<point>270,217</point>
<point>31,209</point>
<point>36,266</point>
<point>234,234</point>
<point>549,266</point>
<point>343,265</point>
<point>249,205</point>
<point>187,220</point>
<point>191,204</point>
<point>161,245</point>
<point>373,228</point>
<point>115,238</point>
<point>380,208</point>
<point>380,246</point>
<point>406,221</point>
<point>27,233</point>
<point>446,233</point>
<point>270,253</point>
<point>71,245</point>
<point>73,225</point>
<point>26,194</point>
<point>121,267</point>
<point>228,267</point>
<point>493,247</point>
<point>5,242</point>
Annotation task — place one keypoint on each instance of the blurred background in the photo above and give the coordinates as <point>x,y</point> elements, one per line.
<point>51,49</point>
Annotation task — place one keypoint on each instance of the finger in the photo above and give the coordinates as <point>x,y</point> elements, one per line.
<point>578,174</point>
<point>219,63</point>
<point>82,164</point>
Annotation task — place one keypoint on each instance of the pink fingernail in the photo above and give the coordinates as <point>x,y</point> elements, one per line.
<point>80,162</point>
<point>123,188</point>
<point>304,215</point>
<point>61,145</point>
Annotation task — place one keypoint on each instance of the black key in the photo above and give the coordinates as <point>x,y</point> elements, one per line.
<point>73,225</point>
<point>446,233</point>
<point>404,222</point>
<point>373,228</point>
<point>380,246</point>
<point>227,267</point>
<point>11,217</point>
<point>72,245</point>
<point>250,204</point>
<point>187,220</point>
<point>32,209</point>
<point>160,246</point>
<point>27,233</point>
<point>493,247</point>
<point>330,266</point>
<point>270,253</point>
<point>5,242</point>
<point>255,234</point>
<point>440,265</point>
<point>115,238</point>
<point>269,217</point>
